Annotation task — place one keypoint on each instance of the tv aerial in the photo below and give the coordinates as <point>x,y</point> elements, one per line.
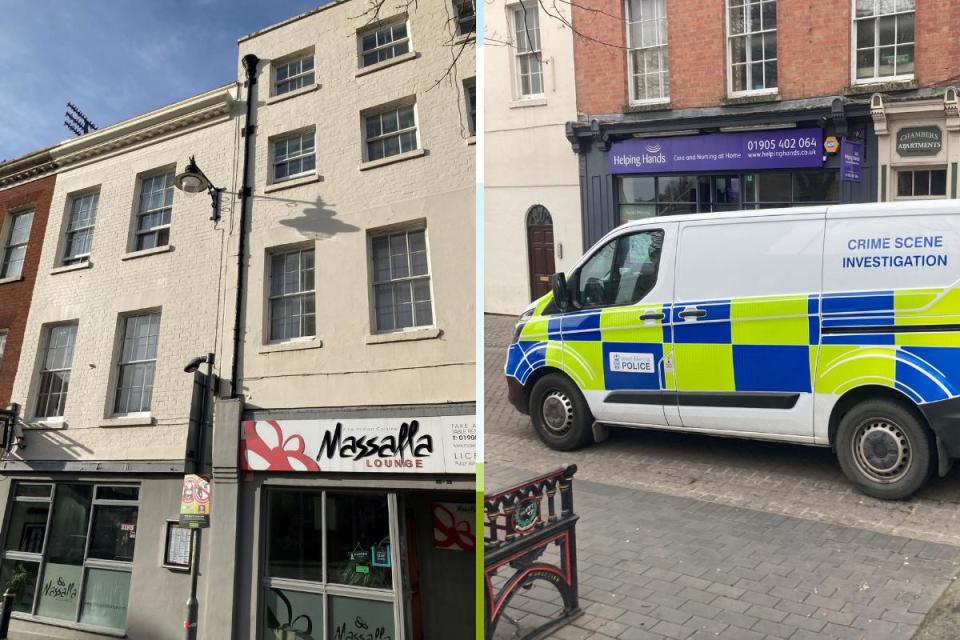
<point>76,120</point>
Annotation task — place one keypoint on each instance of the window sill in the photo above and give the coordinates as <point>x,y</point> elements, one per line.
<point>643,107</point>
<point>45,424</point>
<point>292,182</point>
<point>400,157</point>
<point>410,55</point>
<point>144,420</point>
<point>11,279</point>
<point>294,345</point>
<point>404,336</point>
<point>472,140</point>
<point>133,255</point>
<point>78,266</point>
<point>293,94</point>
<point>64,624</point>
<point>463,38</point>
<point>752,97</point>
<point>874,85</point>
<point>527,102</point>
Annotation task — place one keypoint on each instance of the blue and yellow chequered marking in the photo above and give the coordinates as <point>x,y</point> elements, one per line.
<point>760,344</point>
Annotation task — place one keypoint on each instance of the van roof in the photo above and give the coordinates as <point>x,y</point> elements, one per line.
<point>904,207</point>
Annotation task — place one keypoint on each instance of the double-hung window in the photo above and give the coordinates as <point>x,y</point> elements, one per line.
<point>68,552</point>
<point>15,247</point>
<point>55,370</point>
<point>292,295</point>
<point>752,44</point>
<point>154,210</point>
<point>528,62</point>
<point>3,343</point>
<point>294,156</point>
<point>292,75</point>
<point>401,280</point>
<point>137,363</point>
<point>79,239</point>
<point>384,42</point>
<point>647,44</point>
<point>390,132</point>
<point>884,39</point>
<point>466,13</point>
<point>470,92</point>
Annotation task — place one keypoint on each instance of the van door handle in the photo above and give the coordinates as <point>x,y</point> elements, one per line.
<point>693,312</point>
<point>652,316</point>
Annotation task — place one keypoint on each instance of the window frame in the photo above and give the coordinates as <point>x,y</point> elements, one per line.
<point>65,257</point>
<point>877,79</point>
<point>747,36</point>
<point>536,53</point>
<point>88,563</point>
<point>119,363</point>
<point>470,84</point>
<point>285,62</point>
<point>325,588</point>
<point>301,134</point>
<point>8,245</point>
<point>41,370</point>
<point>913,169</point>
<point>140,213</point>
<point>459,19</point>
<point>574,282</point>
<point>374,283</point>
<point>664,73</point>
<point>379,111</point>
<point>4,333</point>
<point>378,27</point>
<point>302,293</point>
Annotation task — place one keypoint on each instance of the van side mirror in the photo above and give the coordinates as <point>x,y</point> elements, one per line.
<point>561,294</point>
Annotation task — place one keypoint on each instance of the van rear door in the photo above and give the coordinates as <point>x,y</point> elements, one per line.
<point>746,321</point>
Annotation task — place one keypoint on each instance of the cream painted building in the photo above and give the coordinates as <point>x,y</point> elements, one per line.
<point>532,190</point>
<point>129,289</point>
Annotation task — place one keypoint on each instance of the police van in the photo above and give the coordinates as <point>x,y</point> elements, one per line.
<point>832,325</point>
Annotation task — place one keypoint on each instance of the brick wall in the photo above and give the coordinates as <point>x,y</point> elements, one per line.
<point>938,48</point>
<point>15,297</point>
<point>599,56</point>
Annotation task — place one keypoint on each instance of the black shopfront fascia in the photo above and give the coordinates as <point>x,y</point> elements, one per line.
<point>607,200</point>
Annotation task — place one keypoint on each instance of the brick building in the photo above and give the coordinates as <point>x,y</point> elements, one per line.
<point>25,193</point>
<point>689,106</point>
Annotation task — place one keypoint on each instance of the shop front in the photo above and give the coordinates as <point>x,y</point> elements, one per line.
<point>358,525</point>
<point>722,159</point>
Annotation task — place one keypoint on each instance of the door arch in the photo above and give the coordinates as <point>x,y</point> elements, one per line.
<point>540,249</point>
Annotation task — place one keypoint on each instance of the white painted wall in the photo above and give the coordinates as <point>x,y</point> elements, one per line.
<point>528,159</point>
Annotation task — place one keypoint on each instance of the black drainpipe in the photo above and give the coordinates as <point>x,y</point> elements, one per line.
<point>250,63</point>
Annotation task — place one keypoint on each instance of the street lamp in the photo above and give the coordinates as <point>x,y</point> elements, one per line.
<point>193,180</point>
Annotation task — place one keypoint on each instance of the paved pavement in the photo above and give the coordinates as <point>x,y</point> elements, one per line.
<point>685,536</point>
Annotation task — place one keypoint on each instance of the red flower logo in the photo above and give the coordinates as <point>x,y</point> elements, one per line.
<point>263,448</point>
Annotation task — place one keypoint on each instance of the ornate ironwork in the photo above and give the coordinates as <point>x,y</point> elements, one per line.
<point>517,532</point>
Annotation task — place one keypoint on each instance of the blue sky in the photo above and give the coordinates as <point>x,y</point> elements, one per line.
<point>115,58</point>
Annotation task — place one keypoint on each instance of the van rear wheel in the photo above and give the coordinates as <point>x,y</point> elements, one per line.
<point>560,413</point>
<point>884,449</point>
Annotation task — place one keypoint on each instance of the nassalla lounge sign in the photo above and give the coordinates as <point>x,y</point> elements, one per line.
<point>437,444</point>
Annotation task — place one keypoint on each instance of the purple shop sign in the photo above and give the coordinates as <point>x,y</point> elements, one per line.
<point>851,159</point>
<point>770,149</point>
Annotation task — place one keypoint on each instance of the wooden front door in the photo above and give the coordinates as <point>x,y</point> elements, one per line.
<point>540,250</point>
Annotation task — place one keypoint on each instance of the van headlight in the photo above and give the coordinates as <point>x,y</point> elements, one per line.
<point>521,323</point>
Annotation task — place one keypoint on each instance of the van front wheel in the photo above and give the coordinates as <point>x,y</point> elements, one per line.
<point>884,449</point>
<point>560,413</point>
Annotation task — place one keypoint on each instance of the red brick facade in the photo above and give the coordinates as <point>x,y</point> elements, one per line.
<point>15,297</point>
<point>814,50</point>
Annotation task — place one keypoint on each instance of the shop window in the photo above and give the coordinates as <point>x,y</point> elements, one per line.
<point>922,183</point>
<point>79,235</point>
<point>646,196</point>
<point>293,305</point>
<point>154,211</point>
<point>15,244</point>
<point>785,189</point>
<point>647,45</point>
<point>352,531</point>
<point>752,42</point>
<point>528,62</point>
<point>55,370</point>
<point>884,39</point>
<point>50,578</point>
<point>401,280</point>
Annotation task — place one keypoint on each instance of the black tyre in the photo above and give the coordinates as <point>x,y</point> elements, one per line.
<point>560,413</point>
<point>885,449</point>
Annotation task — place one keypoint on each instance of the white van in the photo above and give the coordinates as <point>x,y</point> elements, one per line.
<point>831,325</point>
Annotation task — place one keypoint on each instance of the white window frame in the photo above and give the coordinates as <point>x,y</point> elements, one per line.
<point>459,20</point>
<point>536,52</point>
<point>140,212</point>
<point>299,76</point>
<point>913,169</point>
<point>388,233</point>
<point>748,34</point>
<point>42,370</point>
<point>905,77</point>
<point>8,241</point>
<point>468,84</point>
<point>3,343</point>
<point>121,363</point>
<point>388,23</point>
<point>274,163</point>
<point>664,72</point>
<point>68,233</point>
<point>300,293</point>
<point>379,112</point>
